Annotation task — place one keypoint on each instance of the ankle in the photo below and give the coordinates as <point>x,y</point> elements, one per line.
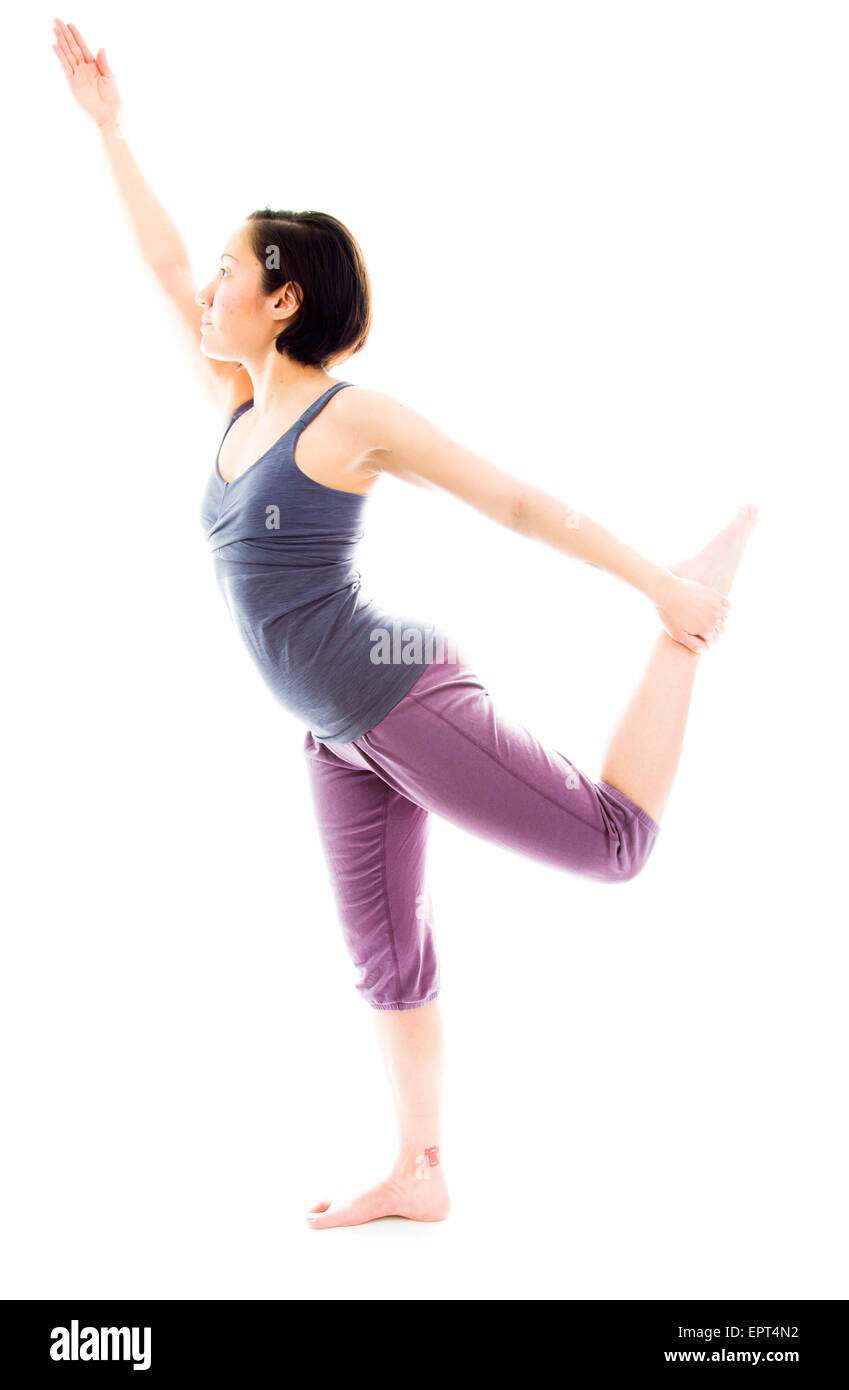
<point>423,1163</point>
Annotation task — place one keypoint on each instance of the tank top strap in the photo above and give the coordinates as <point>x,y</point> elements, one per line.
<point>240,410</point>
<point>312,410</point>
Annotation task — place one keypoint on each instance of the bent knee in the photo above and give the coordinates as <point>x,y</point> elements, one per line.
<point>630,854</point>
<point>630,866</point>
<point>631,836</point>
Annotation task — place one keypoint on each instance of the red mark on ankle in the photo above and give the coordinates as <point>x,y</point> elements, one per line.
<point>432,1156</point>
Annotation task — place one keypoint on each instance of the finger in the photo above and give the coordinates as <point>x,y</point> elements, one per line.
<point>694,642</point>
<point>63,45</point>
<point>75,48</point>
<point>87,57</point>
<point>66,66</point>
<point>102,64</point>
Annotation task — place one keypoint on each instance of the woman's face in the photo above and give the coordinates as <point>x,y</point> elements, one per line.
<point>242,322</point>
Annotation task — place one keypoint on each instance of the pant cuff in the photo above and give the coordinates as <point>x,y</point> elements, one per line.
<point>642,816</point>
<point>399,1005</point>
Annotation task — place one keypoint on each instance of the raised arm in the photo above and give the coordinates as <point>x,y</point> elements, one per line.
<point>93,85</point>
<point>399,441</point>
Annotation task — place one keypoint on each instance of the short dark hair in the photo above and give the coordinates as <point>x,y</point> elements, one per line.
<point>320,256</point>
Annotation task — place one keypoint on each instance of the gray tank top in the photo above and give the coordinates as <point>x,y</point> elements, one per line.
<point>284,547</point>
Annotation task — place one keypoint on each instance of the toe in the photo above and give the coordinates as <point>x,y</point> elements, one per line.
<point>319,1220</point>
<point>316,1212</point>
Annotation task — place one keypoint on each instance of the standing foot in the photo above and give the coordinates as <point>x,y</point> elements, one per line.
<point>401,1194</point>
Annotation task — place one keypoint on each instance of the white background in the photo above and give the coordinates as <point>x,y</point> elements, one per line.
<point>608,250</point>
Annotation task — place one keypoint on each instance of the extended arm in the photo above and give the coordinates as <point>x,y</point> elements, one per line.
<point>94,87</point>
<point>163,248</point>
<point>407,445</point>
<point>542,517</point>
<point>157,237</point>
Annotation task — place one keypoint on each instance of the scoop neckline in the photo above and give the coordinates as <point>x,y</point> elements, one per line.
<point>243,409</point>
<point>229,482</point>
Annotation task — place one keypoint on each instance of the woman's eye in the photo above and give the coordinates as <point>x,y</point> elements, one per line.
<point>221,269</point>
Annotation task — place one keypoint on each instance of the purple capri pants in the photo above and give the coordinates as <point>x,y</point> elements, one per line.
<point>445,748</point>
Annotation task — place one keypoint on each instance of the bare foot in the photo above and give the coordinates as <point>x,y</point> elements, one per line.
<point>419,1199</point>
<point>717,564</point>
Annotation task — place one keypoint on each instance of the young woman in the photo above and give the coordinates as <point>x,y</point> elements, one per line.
<point>398,725</point>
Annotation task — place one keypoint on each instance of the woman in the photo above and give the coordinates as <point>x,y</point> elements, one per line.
<point>398,724</point>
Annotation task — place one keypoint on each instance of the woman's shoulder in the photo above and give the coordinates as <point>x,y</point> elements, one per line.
<point>367,415</point>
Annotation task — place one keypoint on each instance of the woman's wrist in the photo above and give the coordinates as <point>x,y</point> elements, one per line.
<point>652,580</point>
<point>662,585</point>
<point>111,126</point>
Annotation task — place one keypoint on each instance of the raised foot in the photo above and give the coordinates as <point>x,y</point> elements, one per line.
<point>717,564</point>
<point>417,1199</point>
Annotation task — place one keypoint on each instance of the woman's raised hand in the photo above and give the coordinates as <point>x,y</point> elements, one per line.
<point>91,80</point>
<point>693,613</point>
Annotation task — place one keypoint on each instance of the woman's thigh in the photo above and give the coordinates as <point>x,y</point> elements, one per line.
<point>447,747</point>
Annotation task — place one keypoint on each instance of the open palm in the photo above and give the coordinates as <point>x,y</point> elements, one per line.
<point>91,80</point>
